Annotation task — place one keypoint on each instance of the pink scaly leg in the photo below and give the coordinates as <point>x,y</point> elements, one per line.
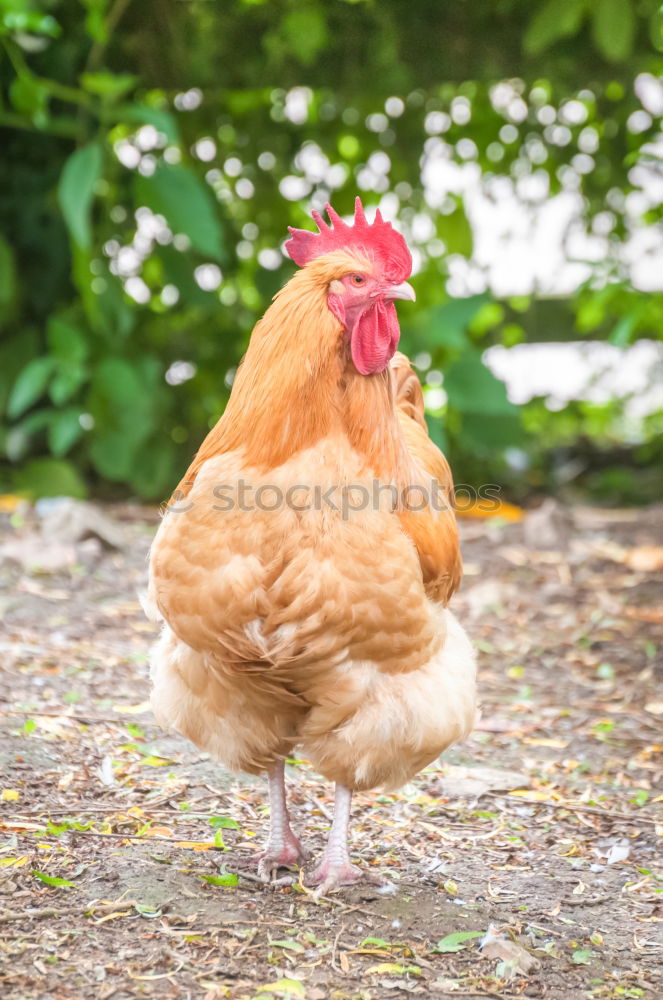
<point>283,848</point>
<point>335,869</point>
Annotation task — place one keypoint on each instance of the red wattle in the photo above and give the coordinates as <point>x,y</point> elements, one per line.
<point>375,338</point>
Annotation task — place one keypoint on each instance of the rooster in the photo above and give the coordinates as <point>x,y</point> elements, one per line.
<point>303,567</point>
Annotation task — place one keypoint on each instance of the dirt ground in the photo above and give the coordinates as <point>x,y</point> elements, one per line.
<point>524,864</point>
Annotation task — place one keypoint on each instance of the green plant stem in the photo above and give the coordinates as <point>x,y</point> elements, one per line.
<point>98,48</point>
<point>58,90</point>
<point>67,127</point>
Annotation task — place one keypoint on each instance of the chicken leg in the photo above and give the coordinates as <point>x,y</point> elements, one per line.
<point>283,848</point>
<point>335,868</point>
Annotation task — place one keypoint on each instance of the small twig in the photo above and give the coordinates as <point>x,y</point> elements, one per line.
<point>546,930</point>
<point>250,877</point>
<point>335,948</point>
<point>423,962</point>
<point>148,809</point>
<point>248,941</point>
<point>75,716</point>
<point>215,791</point>
<point>323,808</point>
<point>579,807</point>
<point>66,911</point>
<point>335,902</point>
<point>96,53</point>
<point>183,841</point>
<point>157,975</point>
<point>595,901</point>
<point>483,994</point>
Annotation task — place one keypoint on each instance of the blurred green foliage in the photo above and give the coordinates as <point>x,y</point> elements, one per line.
<point>153,155</point>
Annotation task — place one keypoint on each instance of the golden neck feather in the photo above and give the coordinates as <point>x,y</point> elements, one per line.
<point>297,384</point>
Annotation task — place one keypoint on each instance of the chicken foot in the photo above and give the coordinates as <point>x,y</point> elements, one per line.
<point>335,868</point>
<point>283,847</point>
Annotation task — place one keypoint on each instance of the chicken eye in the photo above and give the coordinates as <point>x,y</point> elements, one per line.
<point>357,279</point>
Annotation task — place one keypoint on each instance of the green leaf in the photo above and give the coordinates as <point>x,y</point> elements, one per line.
<point>152,760</point>
<point>656,29</point>
<point>177,193</point>
<point>121,401</point>
<point>120,384</point>
<point>147,911</point>
<point>287,988</point>
<point>394,969</point>
<point>53,881</point>
<point>582,957</point>
<point>65,340</point>
<point>67,379</point>
<point>154,468</point>
<point>449,322</point>
<point>621,334</point>
<point>306,31</point>
<point>8,282</point>
<point>485,436</point>
<point>229,879</point>
<point>472,388</point>
<point>96,24</point>
<point>108,85</point>
<point>445,325</point>
<point>437,432</point>
<point>29,385</point>
<point>288,945</point>
<point>18,438</point>
<point>554,20</point>
<point>456,942</point>
<point>64,430</point>
<point>18,19</point>
<point>162,120</point>
<point>76,191</point>
<point>112,455</point>
<point>456,231</point>
<point>223,823</point>
<point>50,477</point>
<point>613,29</point>
<point>29,96</point>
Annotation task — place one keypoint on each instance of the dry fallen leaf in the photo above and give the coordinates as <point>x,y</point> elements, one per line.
<point>495,946</point>
<point>645,558</point>
<point>144,706</point>
<point>618,852</point>
<point>641,614</point>
<point>482,510</point>
<point>9,502</point>
<point>460,782</point>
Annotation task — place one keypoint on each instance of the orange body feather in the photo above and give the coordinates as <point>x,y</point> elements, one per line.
<point>323,623</point>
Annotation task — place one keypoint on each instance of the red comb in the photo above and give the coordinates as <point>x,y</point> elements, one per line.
<point>378,240</point>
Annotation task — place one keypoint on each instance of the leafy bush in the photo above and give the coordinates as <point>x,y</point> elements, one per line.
<point>151,169</point>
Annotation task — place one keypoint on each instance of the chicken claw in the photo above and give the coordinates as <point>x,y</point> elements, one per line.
<point>331,875</point>
<point>280,853</point>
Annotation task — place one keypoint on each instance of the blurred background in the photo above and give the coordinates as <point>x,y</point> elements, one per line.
<point>153,155</point>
